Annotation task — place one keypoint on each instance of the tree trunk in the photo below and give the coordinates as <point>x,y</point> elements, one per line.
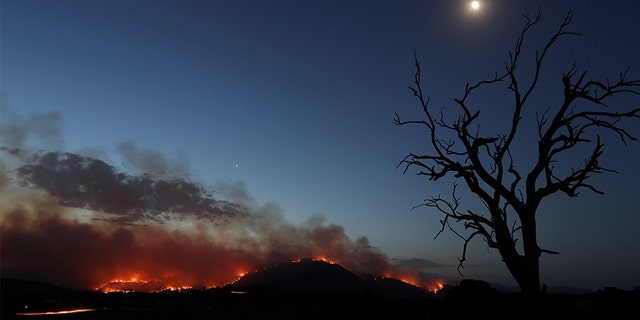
<point>530,288</point>
<point>530,268</point>
<point>525,270</point>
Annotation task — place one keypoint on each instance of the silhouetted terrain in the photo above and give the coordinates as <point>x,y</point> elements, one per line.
<point>307,290</point>
<point>312,276</point>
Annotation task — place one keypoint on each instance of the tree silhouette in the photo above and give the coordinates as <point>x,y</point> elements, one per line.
<point>485,163</point>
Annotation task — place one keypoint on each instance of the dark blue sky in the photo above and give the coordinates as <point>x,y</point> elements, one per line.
<point>295,99</point>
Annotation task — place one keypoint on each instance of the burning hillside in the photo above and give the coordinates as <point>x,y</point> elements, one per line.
<point>323,277</point>
<point>79,222</point>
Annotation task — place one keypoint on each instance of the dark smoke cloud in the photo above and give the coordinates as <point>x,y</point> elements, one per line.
<point>82,182</point>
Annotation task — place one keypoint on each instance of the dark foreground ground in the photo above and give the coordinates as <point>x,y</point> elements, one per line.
<point>222,303</point>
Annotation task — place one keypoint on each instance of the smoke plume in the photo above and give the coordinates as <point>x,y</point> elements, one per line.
<point>79,222</point>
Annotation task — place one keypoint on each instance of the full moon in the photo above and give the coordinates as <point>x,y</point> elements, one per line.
<point>475,5</point>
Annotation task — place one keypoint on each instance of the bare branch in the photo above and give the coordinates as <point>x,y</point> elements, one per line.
<point>485,163</point>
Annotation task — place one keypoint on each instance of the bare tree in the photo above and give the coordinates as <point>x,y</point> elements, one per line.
<point>485,163</point>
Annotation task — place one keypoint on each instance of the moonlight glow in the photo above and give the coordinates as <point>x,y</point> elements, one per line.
<point>475,5</point>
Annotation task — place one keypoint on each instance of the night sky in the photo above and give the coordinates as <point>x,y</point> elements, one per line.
<point>284,109</point>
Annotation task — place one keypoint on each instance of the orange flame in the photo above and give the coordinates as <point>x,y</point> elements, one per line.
<point>436,287</point>
<point>134,283</point>
<point>172,281</point>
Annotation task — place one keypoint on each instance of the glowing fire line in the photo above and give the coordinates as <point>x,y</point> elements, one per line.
<point>134,283</point>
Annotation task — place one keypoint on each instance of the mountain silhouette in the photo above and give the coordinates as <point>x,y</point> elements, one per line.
<point>321,277</point>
